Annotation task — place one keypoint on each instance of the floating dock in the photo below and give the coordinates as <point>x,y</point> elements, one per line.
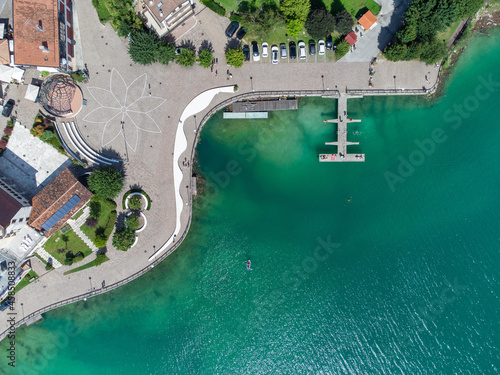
<point>342,121</point>
<point>245,115</point>
<point>266,105</point>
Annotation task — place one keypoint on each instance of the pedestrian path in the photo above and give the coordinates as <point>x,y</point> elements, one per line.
<point>46,256</point>
<point>76,224</point>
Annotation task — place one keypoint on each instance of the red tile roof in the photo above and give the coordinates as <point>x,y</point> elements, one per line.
<point>351,38</point>
<point>53,196</point>
<point>27,36</point>
<point>368,20</point>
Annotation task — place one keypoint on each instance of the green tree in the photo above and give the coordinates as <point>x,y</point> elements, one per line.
<point>47,135</point>
<point>123,239</point>
<point>344,22</point>
<point>295,9</point>
<point>205,58</point>
<point>100,238</point>
<point>396,52</point>
<point>433,52</point>
<point>144,48</point>
<point>342,48</point>
<point>187,57</point>
<point>166,53</point>
<point>294,27</point>
<point>106,182</point>
<point>132,222</point>
<point>320,23</point>
<point>407,34</point>
<point>95,209</point>
<point>235,57</point>
<point>135,202</point>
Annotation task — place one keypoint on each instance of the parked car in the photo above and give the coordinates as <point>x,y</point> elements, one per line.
<point>6,304</point>
<point>231,29</point>
<point>274,54</point>
<point>312,47</point>
<point>329,42</point>
<point>255,51</point>
<point>302,50</point>
<point>283,51</point>
<point>265,49</point>
<point>241,33</point>
<point>246,52</point>
<point>7,108</point>
<point>293,50</point>
<point>321,47</point>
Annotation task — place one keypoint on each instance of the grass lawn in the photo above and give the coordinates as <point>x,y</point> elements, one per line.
<point>102,11</point>
<point>105,221</point>
<point>26,281</point>
<point>83,267</point>
<point>352,6</point>
<point>446,34</point>
<point>73,243</point>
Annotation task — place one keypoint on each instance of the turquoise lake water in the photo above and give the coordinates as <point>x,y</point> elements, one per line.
<point>385,267</point>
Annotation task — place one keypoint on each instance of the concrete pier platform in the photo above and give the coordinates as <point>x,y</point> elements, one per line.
<point>342,121</point>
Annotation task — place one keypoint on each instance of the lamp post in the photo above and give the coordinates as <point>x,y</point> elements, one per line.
<point>251,83</point>
<point>394,83</point>
<point>323,81</point>
<point>125,139</point>
<point>22,308</point>
<point>90,281</point>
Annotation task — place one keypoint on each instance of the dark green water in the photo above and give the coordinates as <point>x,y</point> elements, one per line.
<point>349,274</point>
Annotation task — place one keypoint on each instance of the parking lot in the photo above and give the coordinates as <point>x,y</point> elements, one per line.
<point>327,57</point>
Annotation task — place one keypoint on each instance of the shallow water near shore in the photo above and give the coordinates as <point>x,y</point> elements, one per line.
<point>383,267</point>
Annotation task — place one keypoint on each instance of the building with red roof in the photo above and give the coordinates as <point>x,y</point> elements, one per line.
<point>351,38</point>
<point>368,21</point>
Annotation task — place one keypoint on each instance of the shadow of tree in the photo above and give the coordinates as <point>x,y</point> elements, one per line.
<point>247,7</point>
<point>169,38</point>
<point>232,43</point>
<point>206,44</point>
<point>188,44</point>
<point>336,7</point>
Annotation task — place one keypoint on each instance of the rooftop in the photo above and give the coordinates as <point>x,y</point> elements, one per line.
<point>351,38</point>
<point>36,32</point>
<point>10,206</point>
<point>58,197</point>
<point>367,20</point>
<point>166,7</point>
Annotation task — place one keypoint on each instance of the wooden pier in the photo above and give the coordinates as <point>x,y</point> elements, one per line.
<point>342,121</point>
<point>266,105</point>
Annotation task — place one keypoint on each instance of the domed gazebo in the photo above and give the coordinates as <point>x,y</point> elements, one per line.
<point>60,96</point>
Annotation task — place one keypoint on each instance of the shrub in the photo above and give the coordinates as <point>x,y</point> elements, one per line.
<point>294,27</point>
<point>45,73</point>
<point>210,4</point>
<point>91,222</point>
<point>49,267</point>
<point>106,182</point>
<point>37,130</point>
<point>342,48</point>
<point>100,239</point>
<point>187,57</point>
<point>132,222</point>
<point>47,135</point>
<point>95,209</point>
<point>3,144</point>
<point>78,257</point>
<point>7,131</point>
<point>123,239</point>
<point>61,251</point>
<point>78,76</point>
<point>135,202</point>
<point>205,58</point>
<point>68,261</point>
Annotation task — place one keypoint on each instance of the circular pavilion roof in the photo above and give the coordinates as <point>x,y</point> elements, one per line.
<point>60,96</point>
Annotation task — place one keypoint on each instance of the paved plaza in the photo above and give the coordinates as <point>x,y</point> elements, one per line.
<point>135,111</point>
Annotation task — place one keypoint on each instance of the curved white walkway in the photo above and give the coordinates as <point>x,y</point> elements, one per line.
<point>198,104</point>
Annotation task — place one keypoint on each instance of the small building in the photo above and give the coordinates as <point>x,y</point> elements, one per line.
<point>14,211</point>
<point>43,33</point>
<point>368,21</point>
<point>351,38</point>
<point>165,15</point>
<point>57,202</point>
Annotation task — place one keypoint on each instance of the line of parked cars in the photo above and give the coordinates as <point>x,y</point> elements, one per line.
<point>284,52</point>
<point>281,51</point>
